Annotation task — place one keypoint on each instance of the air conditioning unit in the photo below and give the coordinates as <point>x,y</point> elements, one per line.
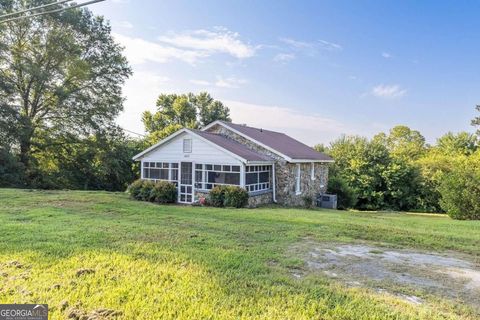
<point>328,201</point>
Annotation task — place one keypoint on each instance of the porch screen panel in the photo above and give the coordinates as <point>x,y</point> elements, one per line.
<point>160,171</point>
<point>207,176</point>
<point>258,178</point>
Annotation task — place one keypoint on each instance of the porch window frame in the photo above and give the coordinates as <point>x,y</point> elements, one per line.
<point>224,168</point>
<point>159,165</point>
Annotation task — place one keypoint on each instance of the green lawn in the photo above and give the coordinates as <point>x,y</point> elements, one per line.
<point>148,261</point>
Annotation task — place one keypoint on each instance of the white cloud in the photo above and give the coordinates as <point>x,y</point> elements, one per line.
<point>308,128</point>
<point>123,24</point>
<point>221,82</point>
<point>388,91</point>
<point>386,55</point>
<point>200,82</point>
<point>230,82</point>
<point>218,40</point>
<point>284,57</point>
<point>297,44</point>
<point>311,48</point>
<point>330,45</point>
<point>138,51</point>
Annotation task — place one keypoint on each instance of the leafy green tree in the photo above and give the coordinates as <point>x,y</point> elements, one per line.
<point>60,75</point>
<point>177,111</point>
<point>346,196</point>
<point>460,189</point>
<point>379,173</point>
<point>11,170</point>
<point>402,185</point>
<point>461,143</point>
<point>476,120</point>
<point>98,162</point>
<point>403,142</point>
<point>360,164</point>
<point>209,109</point>
<point>320,148</point>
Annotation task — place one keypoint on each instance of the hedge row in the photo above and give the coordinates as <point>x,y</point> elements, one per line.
<point>228,196</point>
<point>146,190</point>
<point>166,192</point>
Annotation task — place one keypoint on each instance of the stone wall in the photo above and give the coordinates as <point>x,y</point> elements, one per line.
<point>253,200</point>
<point>260,199</point>
<point>286,178</point>
<point>286,173</point>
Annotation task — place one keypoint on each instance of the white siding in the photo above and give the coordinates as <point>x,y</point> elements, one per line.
<point>202,152</point>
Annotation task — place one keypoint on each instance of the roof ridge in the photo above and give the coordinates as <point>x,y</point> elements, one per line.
<point>246,126</point>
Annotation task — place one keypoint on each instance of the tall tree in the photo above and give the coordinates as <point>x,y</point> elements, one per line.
<point>476,120</point>
<point>60,75</point>
<point>403,142</point>
<point>463,143</point>
<point>177,111</point>
<point>99,161</point>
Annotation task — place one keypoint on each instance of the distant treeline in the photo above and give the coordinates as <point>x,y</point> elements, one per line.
<point>400,171</point>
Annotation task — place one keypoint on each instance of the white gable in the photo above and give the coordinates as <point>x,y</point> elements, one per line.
<point>202,152</point>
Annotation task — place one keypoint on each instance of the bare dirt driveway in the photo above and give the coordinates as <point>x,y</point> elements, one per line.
<point>411,275</point>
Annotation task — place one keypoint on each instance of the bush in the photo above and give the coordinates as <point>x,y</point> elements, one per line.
<point>460,190</point>
<point>164,192</point>
<point>235,197</point>
<point>216,196</point>
<point>308,202</point>
<point>145,193</point>
<point>134,189</point>
<point>228,196</point>
<point>141,190</point>
<point>346,195</point>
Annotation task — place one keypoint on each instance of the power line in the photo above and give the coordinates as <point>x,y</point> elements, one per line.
<point>53,11</point>
<point>138,134</point>
<point>34,8</point>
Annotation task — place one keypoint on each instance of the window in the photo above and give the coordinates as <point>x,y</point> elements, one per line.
<point>187,145</point>
<point>297,185</point>
<point>160,171</point>
<point>258,178</point>
<point>312,173</point>
<point>208,176</point>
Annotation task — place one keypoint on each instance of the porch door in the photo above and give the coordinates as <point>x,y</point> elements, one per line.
<point>185,194</point>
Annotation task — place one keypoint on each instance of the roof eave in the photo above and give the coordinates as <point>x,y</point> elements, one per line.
<point>310,160</point>
<point>259,162</point>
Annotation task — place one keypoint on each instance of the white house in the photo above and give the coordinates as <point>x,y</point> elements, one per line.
<point>271,166</point>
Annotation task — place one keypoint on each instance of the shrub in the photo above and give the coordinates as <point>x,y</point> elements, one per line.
<point>308,201</point>
<point>346,195</point>
<point>141,190</point>
<point>460,190</point>
<point>235,197</point>
<point>164,192</point>
<point>134,189</point>
<point>228,196</point>
<point>145,193</point>
<point>216,196</point>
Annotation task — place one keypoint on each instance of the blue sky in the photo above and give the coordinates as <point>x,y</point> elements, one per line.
<point>314,70</point>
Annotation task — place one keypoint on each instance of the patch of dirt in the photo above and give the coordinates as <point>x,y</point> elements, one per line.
<point>383,269</point>
<point>99,314</point>
<point>15,264</point>
<point>83,271</point>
